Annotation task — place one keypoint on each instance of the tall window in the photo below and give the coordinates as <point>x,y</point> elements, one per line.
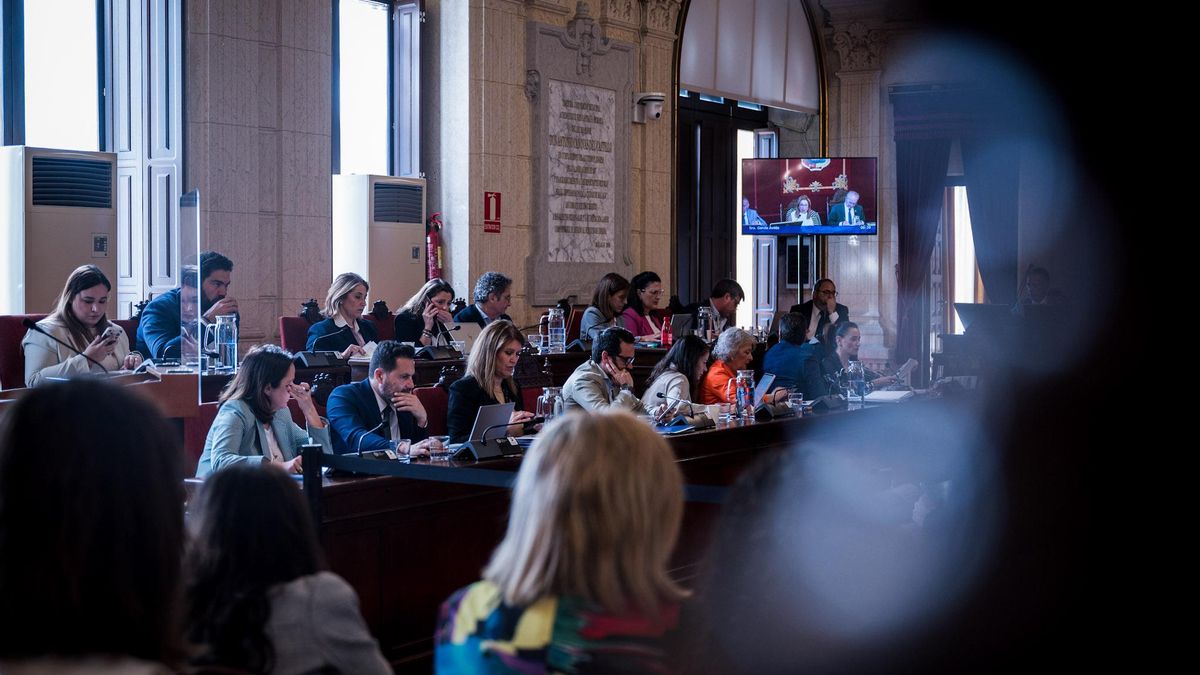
<point>376,89</point>
<point>363,79</point>
<point>62,93</point>
<point>954,273</point>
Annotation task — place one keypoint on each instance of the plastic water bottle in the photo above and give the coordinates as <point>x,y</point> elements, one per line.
<point>557,328</point>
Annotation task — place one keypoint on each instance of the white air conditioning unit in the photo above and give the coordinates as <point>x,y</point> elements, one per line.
<point>379,232</point>
<point>58,211</point>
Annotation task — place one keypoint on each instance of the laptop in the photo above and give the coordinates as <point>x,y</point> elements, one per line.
<point>764,386</point>
<point>488,416</point>
<point>467,332</point>
<point>681,325</point>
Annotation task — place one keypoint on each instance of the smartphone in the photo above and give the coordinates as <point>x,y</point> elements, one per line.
<point>112,333</point>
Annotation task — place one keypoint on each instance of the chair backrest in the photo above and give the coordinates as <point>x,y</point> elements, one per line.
<point>385,328</point>
<point>195,432</point>
<point>437,403</point>
<point>130,327</point>
<point>12,359</point>
<point>293,332</point>
<point>574,322</point>
<point>529,398</point>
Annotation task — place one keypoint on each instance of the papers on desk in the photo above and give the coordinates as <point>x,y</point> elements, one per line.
<point>888,396</point>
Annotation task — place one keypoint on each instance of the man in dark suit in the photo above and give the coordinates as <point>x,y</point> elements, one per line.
<point>158,333</point>
<point>848,212</point>
<point>493,295</point>
<point>821,311</point>
<point>375,413</point>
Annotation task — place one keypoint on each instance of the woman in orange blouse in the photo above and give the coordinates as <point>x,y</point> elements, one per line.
<point>733,352</point>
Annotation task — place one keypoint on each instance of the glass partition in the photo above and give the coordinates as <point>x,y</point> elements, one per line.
<point>190,353</point>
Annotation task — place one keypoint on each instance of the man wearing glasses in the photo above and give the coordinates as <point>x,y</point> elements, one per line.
<point>822,310</point>
<point>604,381</point>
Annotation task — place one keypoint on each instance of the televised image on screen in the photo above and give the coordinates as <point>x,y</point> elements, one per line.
<point>824,195</point>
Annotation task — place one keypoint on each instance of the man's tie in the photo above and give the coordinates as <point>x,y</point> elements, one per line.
<point>387,422</point>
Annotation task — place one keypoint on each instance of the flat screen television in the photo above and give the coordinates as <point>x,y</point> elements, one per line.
<point>806,196</point>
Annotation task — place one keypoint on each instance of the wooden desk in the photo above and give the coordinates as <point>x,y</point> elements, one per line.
<point>405,544</point>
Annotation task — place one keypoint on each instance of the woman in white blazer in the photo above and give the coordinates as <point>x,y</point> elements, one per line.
<point>78,319</point>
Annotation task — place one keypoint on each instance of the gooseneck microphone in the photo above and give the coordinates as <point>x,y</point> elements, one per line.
<point>532,420</point>
<point>28,323</point>
<point>343,329</point>
<point>367,433</point>
<point>691,410</point>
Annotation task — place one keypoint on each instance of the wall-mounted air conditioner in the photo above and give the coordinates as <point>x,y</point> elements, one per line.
<point>57,212</point>
<point>379,232</point>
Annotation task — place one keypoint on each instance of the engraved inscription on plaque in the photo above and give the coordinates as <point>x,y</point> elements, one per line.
<point>581,171</point>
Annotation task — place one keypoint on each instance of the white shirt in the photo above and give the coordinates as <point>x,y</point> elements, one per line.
<point>815,319</point>
<point>341,323</point>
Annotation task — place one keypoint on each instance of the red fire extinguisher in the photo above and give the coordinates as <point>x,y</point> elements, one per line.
<point>434,262</point>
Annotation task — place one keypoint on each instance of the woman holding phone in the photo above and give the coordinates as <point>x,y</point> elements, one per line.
<point>78,320</point>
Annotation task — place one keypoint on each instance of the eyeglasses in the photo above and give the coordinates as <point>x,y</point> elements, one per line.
<point>828,292</point>
<point>656,294</point>
<point>628,361</point>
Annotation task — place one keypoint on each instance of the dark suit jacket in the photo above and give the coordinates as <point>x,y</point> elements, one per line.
<point>466,398</point>
<point>340,341</point>
<point>805,310</point>
<point>158,327</point>
<point>837,214</point>
<point>409,327</point>
<point>796,367</point>
<point>353,411</point>
<point>472,313</point>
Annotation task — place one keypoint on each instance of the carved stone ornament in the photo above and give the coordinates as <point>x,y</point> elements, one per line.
<point>584,35</point>
<point>661,16</point>
<point>858,46</point>
<point>533,85</point>
<point>619,9</point>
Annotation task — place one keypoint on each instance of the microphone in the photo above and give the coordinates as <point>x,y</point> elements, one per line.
<point>691,410</point>
<point>366,433</point>
<point>532,420</point>
<point>28,323</point>
<point>444,333</point>
<point>336,332</point>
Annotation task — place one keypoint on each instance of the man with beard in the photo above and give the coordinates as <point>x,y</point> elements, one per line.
<point>159,325</point>
<point>378,411</point>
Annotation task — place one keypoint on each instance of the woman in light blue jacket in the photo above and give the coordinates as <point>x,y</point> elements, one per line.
<point>254,423</point>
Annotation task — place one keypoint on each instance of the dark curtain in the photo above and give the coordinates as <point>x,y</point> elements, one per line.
<point>990,169</point>
<point>920,184</point>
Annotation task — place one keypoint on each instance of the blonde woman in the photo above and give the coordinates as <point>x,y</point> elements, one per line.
<point>344,330</point>
<point>422,319</point>
<point>78,319</point>
<point>489,380</point>
<point>580,581</point>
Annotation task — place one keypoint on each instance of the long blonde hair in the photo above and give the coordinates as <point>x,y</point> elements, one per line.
<point>481,364</point>
<point>81,279</point>
<point>342,286</point>
<point>595,513</point>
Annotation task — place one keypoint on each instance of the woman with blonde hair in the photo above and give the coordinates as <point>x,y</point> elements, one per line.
<point>344,330</point>
<point>422,319</point>
<point>580,581</point>
<point>489,380</point>
<point>78,319</point>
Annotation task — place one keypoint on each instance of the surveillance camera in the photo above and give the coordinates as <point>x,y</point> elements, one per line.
<point>648,104</point>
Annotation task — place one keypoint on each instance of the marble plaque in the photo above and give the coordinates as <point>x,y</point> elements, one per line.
<point>581,176</point>
<point>579,85</point>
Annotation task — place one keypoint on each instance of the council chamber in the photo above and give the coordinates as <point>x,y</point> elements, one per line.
<point>551,336</point>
